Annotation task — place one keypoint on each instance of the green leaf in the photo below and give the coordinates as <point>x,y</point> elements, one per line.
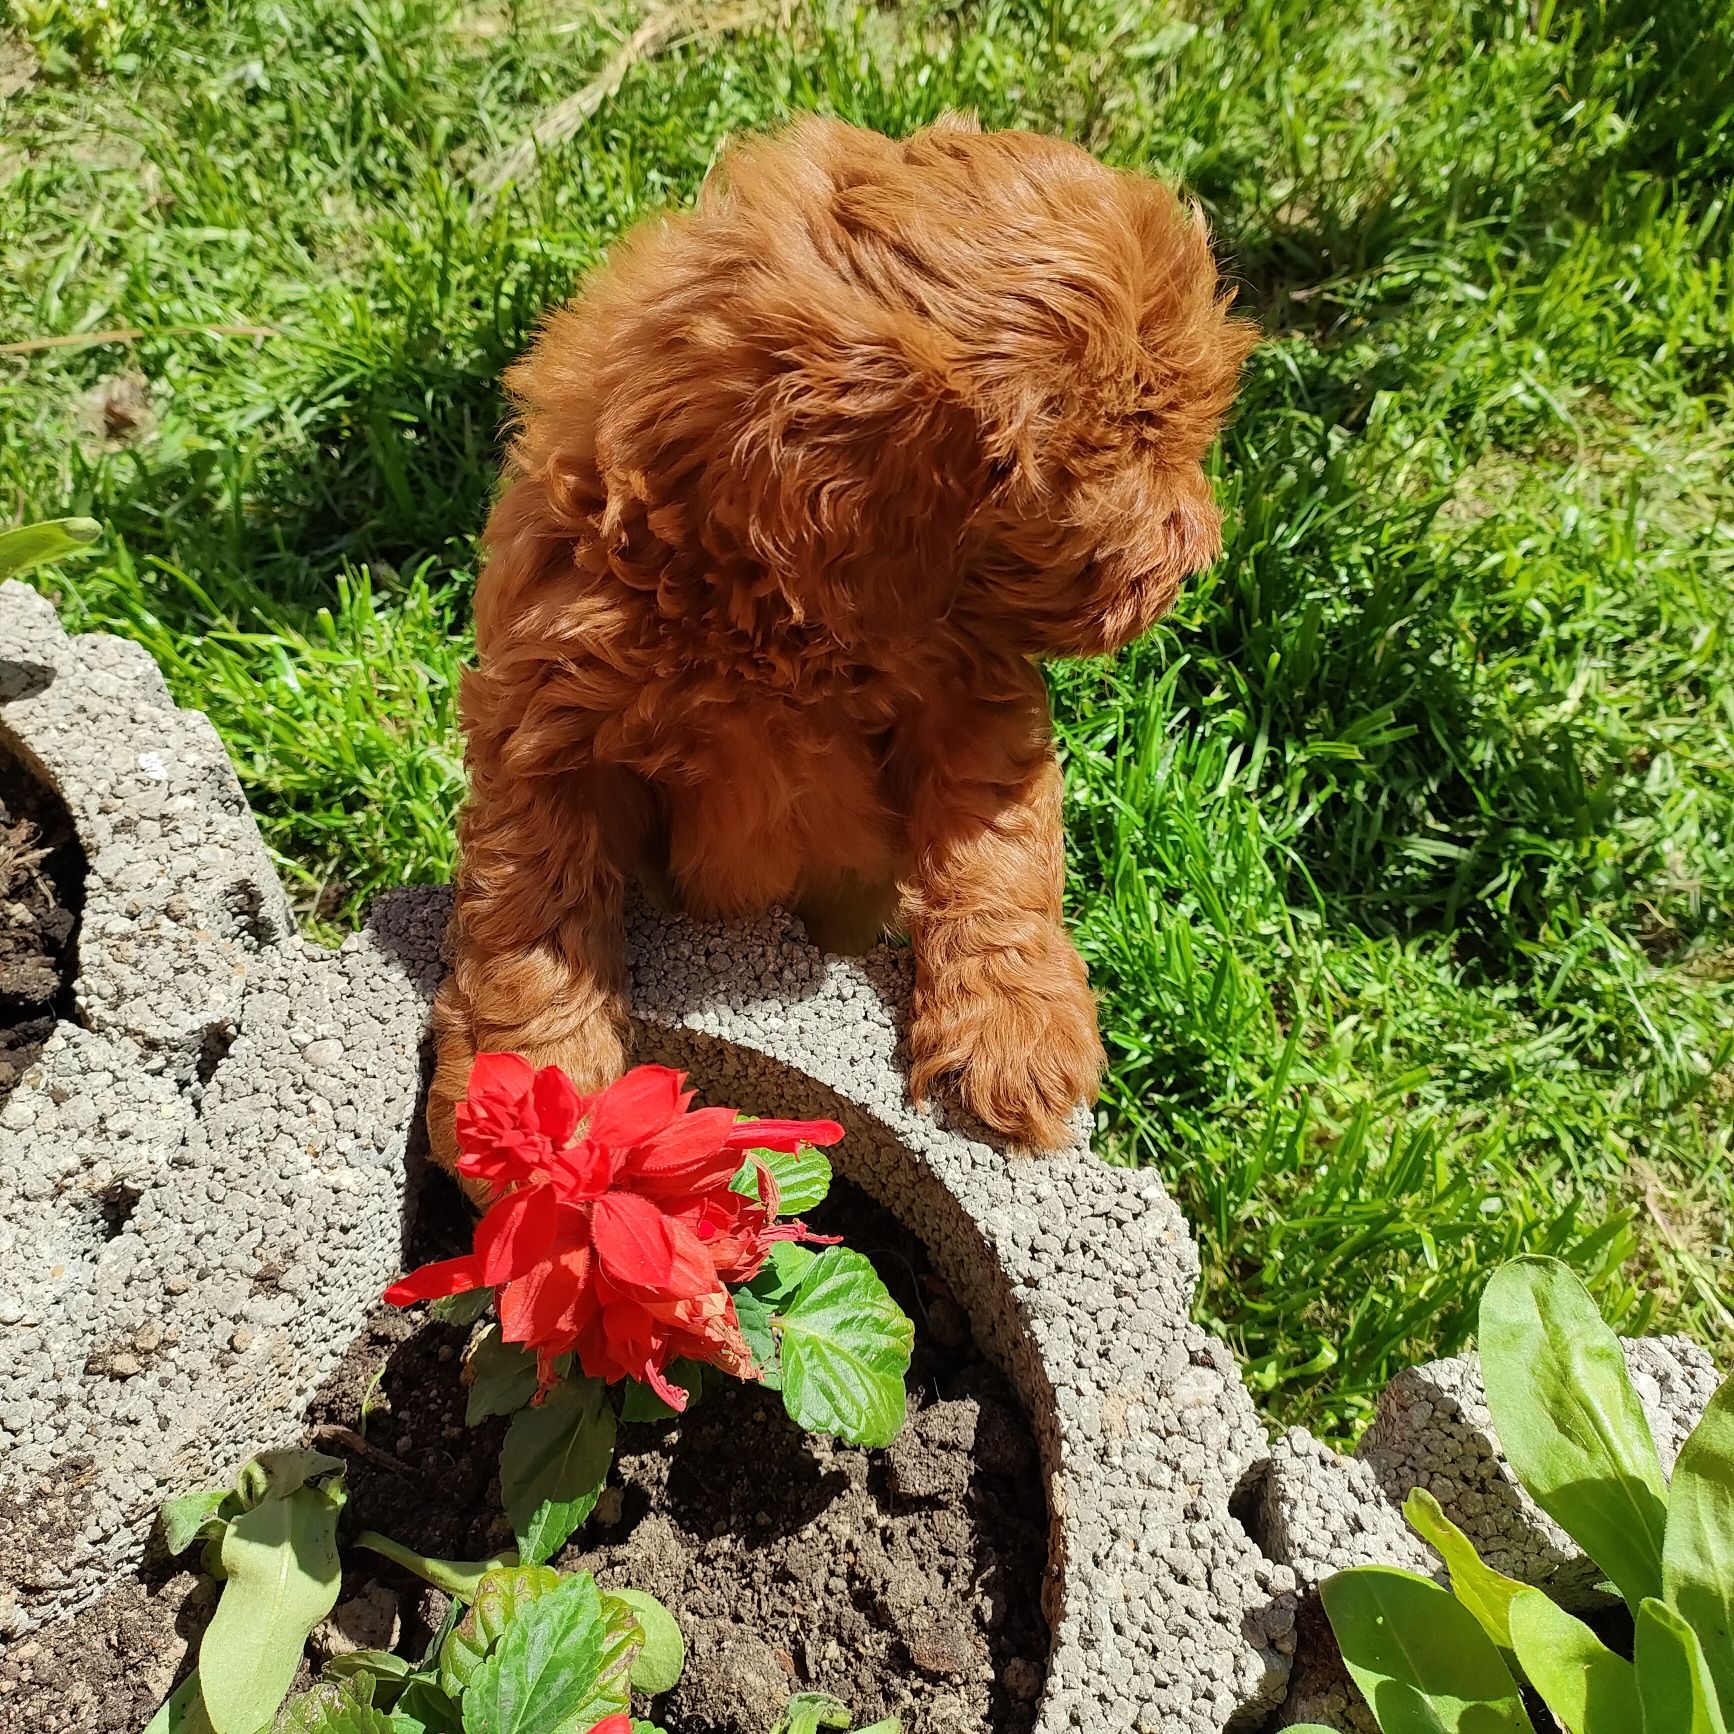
<point>335,1708</point>
<point>639,1403</point>
<point>785,1270</point>
<point>423,1705</point>
<point>1570,1423</point>
<point>808,1712</point>
<point>1589,1688</point>
<point>642,1727</point>
<point>28,545</point>
<point>502,1378</point>
<point>499,1597</point>
<point>1698,1549</point>
<point>183,1712</point>
<point>281,1564</point>
<point>277,1474</point>
<point>888,1725</point>
<point>462,1309</point>
<point>1483,1591</point>
<point>845,1350</point>
<point>195,1517</point>
<point>1674,1681</point>
<point>1419,1656</point>
<point>545,1674</point>
<point>554,1463</point>
<point>376,1664</point>
<point>803,1178</point>
<point>660,1662</point>
<point>623,1642</point>
<point>755,1318</point>
<point>457,1577</point>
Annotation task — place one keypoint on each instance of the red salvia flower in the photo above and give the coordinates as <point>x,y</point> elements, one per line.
<point>613,1232</point>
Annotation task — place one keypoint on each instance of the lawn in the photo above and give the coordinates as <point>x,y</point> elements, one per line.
<point>1403,853</point>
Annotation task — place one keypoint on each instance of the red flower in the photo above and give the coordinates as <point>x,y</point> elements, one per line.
<point>614,1230</point>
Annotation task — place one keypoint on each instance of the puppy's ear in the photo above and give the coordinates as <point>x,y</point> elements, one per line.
<point>858,471</point>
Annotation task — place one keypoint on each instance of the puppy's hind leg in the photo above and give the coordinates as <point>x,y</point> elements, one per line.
<point>847,915</point>
<point>538,964</point>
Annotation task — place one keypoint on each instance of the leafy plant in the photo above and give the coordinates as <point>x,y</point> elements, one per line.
<point>681,1210</point>
<point>532,1651</point>
<point>272,1541</point>
<point>1577,1438</point>
<point>27,545</point>
<point>808,1712</point>
<point>537,1652</point>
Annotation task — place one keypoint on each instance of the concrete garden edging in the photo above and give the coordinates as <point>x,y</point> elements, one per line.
<point>202,1178</point>
<point>251,1098</point>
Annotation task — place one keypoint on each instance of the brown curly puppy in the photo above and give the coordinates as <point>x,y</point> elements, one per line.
<point>802,485</point>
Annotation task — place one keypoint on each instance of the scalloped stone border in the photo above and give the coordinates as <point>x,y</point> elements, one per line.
<point>254,1096</point>
<point>202,1178</point>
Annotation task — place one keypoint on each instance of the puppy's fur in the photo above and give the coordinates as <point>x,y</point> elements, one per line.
<point>803,484</point>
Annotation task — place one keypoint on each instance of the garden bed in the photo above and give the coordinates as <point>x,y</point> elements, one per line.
<point>902,1582</point>
<point>251,1100</point>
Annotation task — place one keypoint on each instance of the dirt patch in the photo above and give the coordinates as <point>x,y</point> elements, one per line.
<point>904,1582</point>
<point>116,412</point>
<point>106,1673</point>
<point>41,883</point>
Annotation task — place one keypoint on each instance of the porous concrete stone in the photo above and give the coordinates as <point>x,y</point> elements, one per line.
<point>1079,1279</point>
<point>1321,1513</point>
<point>202,1178</point>
<point>1433,1430</point>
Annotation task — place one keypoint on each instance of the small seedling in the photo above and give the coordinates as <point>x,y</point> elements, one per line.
<point>637,1244</point>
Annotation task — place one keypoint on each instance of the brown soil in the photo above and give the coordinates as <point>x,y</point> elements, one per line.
<point>41,878</point>
<point>105,1672</point>
<point>903,1582</point>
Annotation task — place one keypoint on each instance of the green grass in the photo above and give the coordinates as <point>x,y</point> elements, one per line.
<point>1403,853</point>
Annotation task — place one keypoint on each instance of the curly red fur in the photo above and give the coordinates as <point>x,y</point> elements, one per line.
<point>802,484</point>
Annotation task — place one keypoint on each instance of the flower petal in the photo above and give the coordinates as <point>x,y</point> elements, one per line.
<point>638,1106</point>
<point>508,1076</point>
<point>533,1307</point>
<point>783,1135</point>
<point>634,1241</point>
<point>516,1235</point>
<point>558,1105</point>
<point>435,1281</point>
<point>672,1394</point>
<point>582,1171</point>
<point>690,1154</point>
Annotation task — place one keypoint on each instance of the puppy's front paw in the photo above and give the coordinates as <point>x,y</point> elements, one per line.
<point>1018,1036</point>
